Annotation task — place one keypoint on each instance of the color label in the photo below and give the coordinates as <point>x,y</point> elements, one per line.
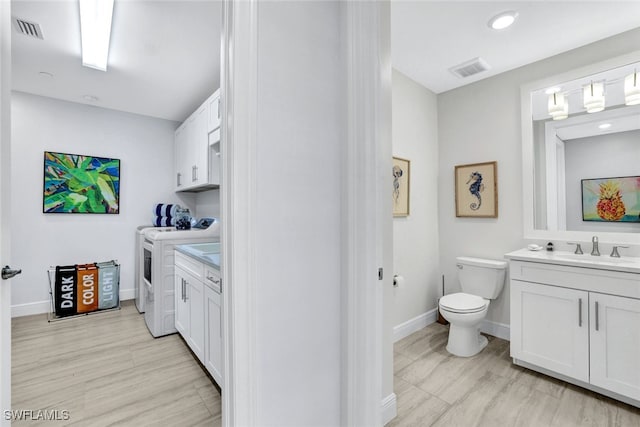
<point>87,295</point>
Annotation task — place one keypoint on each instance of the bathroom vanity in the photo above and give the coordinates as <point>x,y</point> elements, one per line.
<point>577,318</point>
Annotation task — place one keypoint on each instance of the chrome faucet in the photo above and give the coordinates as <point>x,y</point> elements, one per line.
<point>578,250</point>
<point>595,251</point>
<point>614,252</point>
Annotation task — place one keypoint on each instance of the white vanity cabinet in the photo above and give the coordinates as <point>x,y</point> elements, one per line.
<point>579,324</point>
<point>199,311</point>
<point>196,167</point>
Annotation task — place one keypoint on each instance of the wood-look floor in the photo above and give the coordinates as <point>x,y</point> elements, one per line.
<point>434,388</point>
<point>107,369</point>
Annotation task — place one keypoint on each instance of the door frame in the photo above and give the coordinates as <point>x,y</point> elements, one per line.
<point>366,219</point>
<point>5,196</point>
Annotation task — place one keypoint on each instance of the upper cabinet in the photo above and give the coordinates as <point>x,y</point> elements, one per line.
<point>197,148</point>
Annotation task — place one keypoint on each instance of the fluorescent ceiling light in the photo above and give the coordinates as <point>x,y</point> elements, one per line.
<point>503,20</point>
<point>95,27</point>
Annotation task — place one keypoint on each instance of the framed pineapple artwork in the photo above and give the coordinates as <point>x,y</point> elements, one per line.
<point>611,199</point>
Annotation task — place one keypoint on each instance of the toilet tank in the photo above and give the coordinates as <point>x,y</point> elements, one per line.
<point>482,277</point>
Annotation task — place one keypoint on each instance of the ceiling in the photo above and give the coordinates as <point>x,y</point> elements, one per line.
<point>165,54</point>
<point>163,61</point>
<point>429,37</point>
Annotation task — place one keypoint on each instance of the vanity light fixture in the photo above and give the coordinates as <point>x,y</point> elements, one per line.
<point>632,89</point>
<point>558,106</point>
<point>593,97</point>
<point>95,29</point>
<point>503,20</point>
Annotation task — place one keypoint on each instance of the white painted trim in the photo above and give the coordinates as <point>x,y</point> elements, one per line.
<point>5,210</point>
<point>239,99</point>
<point>389,408</point>
<point>413,325</point>
<point>368,130</point>
<point>495,329</point>
<point>41,307</point>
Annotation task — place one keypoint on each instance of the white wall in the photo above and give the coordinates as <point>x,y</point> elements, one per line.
<point>297,214</point>
<point>415,237</point>
<point>144,146</point>
<point>584,160</point>
<point>207,204</point>
<point>481,122</point>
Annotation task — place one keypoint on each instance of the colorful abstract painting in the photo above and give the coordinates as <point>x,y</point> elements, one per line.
<point>81,184</point>
<point>611,199</point>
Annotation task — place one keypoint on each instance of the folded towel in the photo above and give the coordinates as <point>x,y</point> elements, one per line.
<point>163,221</point>
<point>168,210</point>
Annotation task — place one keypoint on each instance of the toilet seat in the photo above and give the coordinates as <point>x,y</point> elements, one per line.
<point>463,303</point>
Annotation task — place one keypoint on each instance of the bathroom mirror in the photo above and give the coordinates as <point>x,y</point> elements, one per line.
<point>559,154</point>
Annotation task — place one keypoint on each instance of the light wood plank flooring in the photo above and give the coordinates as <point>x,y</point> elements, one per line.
<point>107,369</point>
<point>434,388</point>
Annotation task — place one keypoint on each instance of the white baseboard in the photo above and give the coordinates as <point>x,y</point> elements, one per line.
<point>30,308</point>
<point>413,325</point>
<point>499,330</point>
<point>389,408</point>
<point>41,307</point>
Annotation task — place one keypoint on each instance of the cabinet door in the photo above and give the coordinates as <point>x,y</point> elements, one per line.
<point>615,344</point>
<point>213,345</point>
<point>199,140</point>
<point>182,306</point>
<point>180,154</point>
<point>550,328</point>
<point>195,300</point>
<point>213,107</point>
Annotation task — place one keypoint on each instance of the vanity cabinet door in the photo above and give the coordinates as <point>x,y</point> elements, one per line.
<point>213,344</point>
<point>181,304</point>
<point>615,344</point>
<point>550,328</point>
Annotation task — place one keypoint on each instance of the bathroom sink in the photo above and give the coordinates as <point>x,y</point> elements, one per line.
<point>604,262</point>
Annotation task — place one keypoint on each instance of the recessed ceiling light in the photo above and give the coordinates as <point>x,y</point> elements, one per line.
<point>44,74</point>
<point>503,20</point>
<point>90,98</point>
<point>553,90</point>
<point>604,126</point>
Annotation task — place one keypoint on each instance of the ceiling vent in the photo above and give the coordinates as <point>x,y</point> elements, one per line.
<point>469,68</point>
<point>27,28</point>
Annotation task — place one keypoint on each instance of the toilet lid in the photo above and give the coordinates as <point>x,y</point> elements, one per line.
<point>463,303</point>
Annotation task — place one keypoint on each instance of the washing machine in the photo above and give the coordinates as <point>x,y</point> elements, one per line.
<point>138,278</point>
<point>157,268</point>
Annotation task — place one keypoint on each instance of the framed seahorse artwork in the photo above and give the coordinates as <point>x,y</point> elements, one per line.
<point>477,190</point>
<point>401,177</point>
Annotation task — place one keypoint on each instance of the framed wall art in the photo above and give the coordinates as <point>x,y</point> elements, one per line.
<point>401,178</point>
<point>611,199</point>
<point>75,183</point>
<point>477,190</point>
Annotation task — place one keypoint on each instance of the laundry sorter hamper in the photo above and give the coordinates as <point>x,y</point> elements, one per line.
<point>81,289</point>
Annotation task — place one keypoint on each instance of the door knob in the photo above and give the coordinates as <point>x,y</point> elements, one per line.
<point>8,273</point>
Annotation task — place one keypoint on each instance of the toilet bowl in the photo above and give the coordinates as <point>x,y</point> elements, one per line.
<point>481,280</point>
<point>464,330</point>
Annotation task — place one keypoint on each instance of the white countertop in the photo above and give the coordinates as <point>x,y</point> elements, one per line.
<point>603,262</point>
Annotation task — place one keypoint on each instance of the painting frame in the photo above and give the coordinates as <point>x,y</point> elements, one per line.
<point>401,173</point>
<point>80,183</point>
<point>626,189</point>
<point>470,190</point>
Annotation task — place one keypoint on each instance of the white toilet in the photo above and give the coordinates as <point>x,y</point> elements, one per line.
<point>481,280</point>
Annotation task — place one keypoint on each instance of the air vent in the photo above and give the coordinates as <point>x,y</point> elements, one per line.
<point>30,29</point>
<point>469,68</point>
